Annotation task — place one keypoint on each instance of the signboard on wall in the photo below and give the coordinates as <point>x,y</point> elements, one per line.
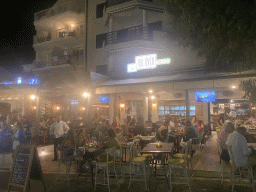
<point>146,62</point>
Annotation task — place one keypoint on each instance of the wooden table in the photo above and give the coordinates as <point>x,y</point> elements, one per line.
<point>166,149</point>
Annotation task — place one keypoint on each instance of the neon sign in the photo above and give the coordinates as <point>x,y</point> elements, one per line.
<point>33,81</point>
<point>19,80</point>
<point>146,62</point>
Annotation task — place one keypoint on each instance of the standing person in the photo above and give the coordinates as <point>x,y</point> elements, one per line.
<point>59,129</point>
<point>19,136</point>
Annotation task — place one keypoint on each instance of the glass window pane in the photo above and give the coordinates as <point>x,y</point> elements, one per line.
<point>177,108</point>
<point>182,107</point>
<point>166,112</point>
<point>192,107</point>
<point>192,113</point>
<point>171,108</point>
<point>160,112</point>
<point>166,108</point>
<point>161,107</point>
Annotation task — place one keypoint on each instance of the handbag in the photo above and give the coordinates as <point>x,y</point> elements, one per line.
<point>224,155</point>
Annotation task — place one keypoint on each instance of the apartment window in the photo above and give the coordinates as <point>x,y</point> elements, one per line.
<point>100,39</point>
<point>99,10</point>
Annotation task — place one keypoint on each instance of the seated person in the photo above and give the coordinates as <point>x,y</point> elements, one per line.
<point>81,139</point>
<point>67,147</point>
<point>239,147</point>
<point>190,131</point>
<point>223,135</point>
<point>108,144</point>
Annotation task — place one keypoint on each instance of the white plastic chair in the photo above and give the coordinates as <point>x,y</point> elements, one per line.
<point>105,166</point>
<point>179,163</point>
<point>234,167</point>
<point>138,163</point>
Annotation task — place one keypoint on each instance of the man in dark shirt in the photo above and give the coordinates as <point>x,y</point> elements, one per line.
<point>190,131</point>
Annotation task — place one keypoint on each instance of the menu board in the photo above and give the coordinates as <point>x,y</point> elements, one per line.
<point>20,167</point>
<point>26,165</point>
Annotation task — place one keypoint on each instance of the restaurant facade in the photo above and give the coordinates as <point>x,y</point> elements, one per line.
<point>101,59</point>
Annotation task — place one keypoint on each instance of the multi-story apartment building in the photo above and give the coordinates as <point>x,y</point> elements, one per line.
<point>124,40</point>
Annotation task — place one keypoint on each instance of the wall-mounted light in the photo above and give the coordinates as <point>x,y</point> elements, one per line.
<point>83,108</point>
<point>122,105</point>
<point>57,108</point>
<point>34,107</point>
<point>32,97</point>
<point>85,94</point>
<point>231,100</point>
<point>150,91</point>
<point>154,104</point>
<point>152,97</point>
<point>233,86</point>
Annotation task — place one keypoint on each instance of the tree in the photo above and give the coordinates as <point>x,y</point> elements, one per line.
<point>222,31</point>
<point>249,88</point>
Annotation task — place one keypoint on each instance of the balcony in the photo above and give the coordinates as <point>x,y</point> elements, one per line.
<point>117,2</point>
<point>130,34</point>
<point>55,10</point>
<point>42,38</point>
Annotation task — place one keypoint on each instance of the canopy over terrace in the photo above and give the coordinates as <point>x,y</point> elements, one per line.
<point>56,87</point>
<point>175,88</point>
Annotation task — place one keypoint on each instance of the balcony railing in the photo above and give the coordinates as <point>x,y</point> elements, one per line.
<point>59,60</point>
<point>59,9</point>
<point>42,38</point>
<point>130,34</point>
<point>117,2</point>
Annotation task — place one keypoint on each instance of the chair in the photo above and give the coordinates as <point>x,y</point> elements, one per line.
<point>234,167</point>
<point>137,162</point>
<point>179,163</point>
<point>197,141</point>
<point>68,166</point>
<point>104,164</point>
<point>182,154</point>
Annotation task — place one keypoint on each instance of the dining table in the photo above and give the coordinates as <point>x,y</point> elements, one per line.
<point>165,149</point>
<point>144,140</point>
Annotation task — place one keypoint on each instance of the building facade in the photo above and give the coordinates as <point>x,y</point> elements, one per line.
<point>122,53</point>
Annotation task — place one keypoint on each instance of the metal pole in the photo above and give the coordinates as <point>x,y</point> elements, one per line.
<point>187,104</point>
<point>37,114</point>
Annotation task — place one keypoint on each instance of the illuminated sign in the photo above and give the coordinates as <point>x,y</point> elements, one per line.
<point>74,102</point>
<point>19,80</point>
<point>33,81</point>
<point>131,67</point>
<point>165,61</point>
<point>146,61</point>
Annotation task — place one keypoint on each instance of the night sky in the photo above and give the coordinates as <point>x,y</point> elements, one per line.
<point>16,37</point>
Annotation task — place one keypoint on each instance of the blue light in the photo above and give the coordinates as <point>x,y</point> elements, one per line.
<point>33,81</point>
<point>7,83</point>
<point>19,80</point>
